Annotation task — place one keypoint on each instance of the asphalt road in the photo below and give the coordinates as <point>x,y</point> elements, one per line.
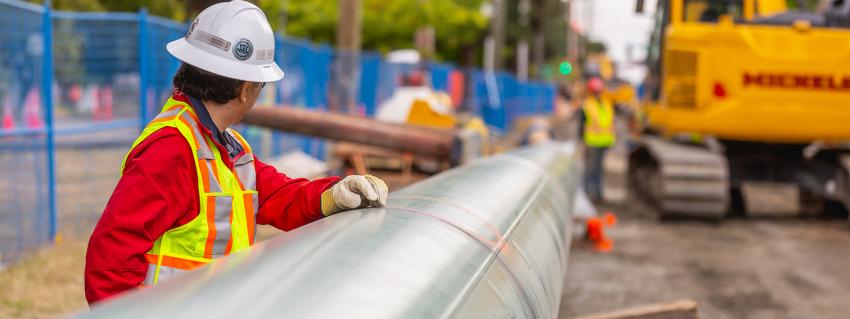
<point>738,268</point>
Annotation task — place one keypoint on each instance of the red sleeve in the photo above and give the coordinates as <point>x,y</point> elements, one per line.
<point>150,198</point>
<point>288,203</point>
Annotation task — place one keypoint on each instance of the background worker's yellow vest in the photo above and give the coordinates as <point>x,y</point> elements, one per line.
<point>599,123</point>
<point>228,200</point>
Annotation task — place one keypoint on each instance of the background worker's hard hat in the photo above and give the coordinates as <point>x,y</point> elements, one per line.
<point>232,39</point>
<point>595,85</point>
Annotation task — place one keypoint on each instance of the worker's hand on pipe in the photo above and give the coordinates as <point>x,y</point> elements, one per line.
<point>354,191</point>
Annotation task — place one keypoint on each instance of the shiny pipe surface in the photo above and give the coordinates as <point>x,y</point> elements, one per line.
<point>409,138</point>
<point>484,240</point>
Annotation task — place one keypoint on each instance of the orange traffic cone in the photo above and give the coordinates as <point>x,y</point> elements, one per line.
<point>75,93</point>
<point>8,121</point>
<point>596,234</point>
<point>8,118</point>
<point>102,108</point>
<point>32,109</point>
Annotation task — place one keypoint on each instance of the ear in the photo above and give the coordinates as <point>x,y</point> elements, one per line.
<point>243,91</point>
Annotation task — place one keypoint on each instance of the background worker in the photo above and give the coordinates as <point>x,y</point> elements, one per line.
<point>596,129</point>
<point>191,190</point>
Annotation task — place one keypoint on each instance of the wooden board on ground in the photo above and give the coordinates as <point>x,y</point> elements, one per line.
<point>373,156</point>
<point>681,309</point>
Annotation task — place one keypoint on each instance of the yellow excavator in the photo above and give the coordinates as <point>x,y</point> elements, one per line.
<point>747,109</point>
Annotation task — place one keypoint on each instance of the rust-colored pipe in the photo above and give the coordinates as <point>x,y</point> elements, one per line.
<point>414,139</point>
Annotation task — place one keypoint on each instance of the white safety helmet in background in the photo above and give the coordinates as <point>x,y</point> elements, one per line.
<point>232,39</point>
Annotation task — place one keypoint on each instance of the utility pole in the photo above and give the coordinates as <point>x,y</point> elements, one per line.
<point>346,67</point>
<point>348,26</point>
<point>538,31</point>
<point>425,42</point>
<point>572,34</point>
<point>492,52</point>
<point>283,16</point>
<point>523,7</point>
<point>522,60</point>
<point>589,8</point>
<point>496,40</point>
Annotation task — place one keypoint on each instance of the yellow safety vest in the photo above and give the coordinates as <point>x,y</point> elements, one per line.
<point>228,201</point>
<point>599,123</point>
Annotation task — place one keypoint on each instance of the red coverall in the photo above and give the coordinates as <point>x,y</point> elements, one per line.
<point>158,191</point>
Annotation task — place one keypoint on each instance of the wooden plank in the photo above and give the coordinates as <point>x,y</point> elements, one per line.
<point>681,309</point>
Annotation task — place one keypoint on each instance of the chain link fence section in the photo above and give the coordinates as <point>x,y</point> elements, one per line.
<point>25,210</point>
<point>96,94</point>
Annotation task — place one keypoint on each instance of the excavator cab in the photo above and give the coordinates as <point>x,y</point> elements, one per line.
<point>711,10</point>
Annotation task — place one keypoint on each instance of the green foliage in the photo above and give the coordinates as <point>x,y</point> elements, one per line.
<point>314,20</point>
<point>808,5</point>
<point>68,65</point>
<point>165,8</point>
<point>386,24</point>
<point>391,24</point>
<point>596,47</point>
<point>74,5</point>
<point>552,25</point>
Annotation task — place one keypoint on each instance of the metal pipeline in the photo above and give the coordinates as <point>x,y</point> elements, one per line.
<point>410,138</point>
<point>488,239</point>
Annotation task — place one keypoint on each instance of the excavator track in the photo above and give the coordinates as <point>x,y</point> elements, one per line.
<point>681,180</point>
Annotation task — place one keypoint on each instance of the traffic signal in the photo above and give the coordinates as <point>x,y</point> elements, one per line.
<point>565,67</point>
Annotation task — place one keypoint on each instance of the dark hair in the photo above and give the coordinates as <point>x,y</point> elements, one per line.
<point>206,86</point>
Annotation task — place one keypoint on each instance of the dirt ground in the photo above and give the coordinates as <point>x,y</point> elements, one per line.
<point>49,282</point>
<point>45,284</point>
<point>739,268</point>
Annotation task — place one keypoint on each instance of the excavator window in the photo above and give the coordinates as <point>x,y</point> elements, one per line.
<point>711,10</point>
<point>652,84</point>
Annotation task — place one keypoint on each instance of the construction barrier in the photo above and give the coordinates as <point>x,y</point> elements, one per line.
<point>25,148</point>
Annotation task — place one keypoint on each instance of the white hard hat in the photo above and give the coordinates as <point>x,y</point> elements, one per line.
<point>232,39</point>
<point>404,56</point>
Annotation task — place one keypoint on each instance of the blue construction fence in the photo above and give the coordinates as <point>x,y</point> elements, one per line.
<point>76,87</point>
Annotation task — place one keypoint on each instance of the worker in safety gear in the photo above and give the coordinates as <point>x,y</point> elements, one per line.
<point>191,188</point>
<point>596,128</point>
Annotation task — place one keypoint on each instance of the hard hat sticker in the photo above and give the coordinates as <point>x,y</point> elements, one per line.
<point>243,49</point>
<point>192,28</point>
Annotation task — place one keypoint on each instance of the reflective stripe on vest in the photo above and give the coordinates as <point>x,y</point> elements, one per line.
<point>599,123</point>
<point>228,200</point>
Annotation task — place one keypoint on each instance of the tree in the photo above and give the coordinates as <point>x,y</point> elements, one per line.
<point>175,10</point>
<point>74,5</point>
<point>391,24</point>
<point>164,8</point>
<point>314,20</point>
<point>387,24</point>
<point>546,32</point>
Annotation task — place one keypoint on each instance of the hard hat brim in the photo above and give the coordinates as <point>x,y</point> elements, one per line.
<point>183,51</point>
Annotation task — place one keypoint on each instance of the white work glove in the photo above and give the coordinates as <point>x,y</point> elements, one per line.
<point>354,191</point>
